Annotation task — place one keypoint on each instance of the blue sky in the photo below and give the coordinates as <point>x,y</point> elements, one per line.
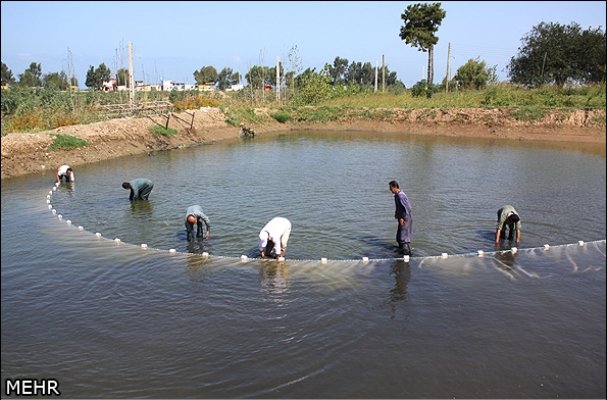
<point>173,39</point>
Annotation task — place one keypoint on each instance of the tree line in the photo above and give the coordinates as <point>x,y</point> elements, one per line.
<point>551,53</point>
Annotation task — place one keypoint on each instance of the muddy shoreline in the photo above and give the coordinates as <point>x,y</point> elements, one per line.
<point>29,153</point>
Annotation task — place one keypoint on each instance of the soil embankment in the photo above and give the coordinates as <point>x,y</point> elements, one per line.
<point>28,153</point>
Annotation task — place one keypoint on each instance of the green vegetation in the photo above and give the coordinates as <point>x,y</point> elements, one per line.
<point>237,113</point>
<point>281,116</point>
<point>31,110</point>
<point>161,130</point>
<point>66,142</point>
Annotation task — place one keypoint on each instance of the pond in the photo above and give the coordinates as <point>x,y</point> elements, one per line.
<point>111,319</point>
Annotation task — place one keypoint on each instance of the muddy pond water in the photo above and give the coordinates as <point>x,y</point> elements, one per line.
<point>114,320</point>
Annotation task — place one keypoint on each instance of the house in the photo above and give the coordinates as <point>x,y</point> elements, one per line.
<point>109,86</point>
<point>207,87</point>
<point>235,88</point>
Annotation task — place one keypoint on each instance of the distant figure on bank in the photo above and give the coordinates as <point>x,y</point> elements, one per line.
<point>404,231</point>
<point>246,132</point>
<point>65,171</point>
<point>140,188</point>
<point>274,237</point>
<point>508,219</point>
<point>194,215</point>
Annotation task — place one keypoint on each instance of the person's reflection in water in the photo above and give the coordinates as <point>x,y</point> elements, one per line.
<point>142,208</point>
<point>68,188</point>
<point>196,247</point>
<point>507,260</point>
<point>402,274</point>
<point>274,278</point>
<point>197,270</point>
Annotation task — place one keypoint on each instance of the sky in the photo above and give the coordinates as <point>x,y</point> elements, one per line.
<point>173,39</point>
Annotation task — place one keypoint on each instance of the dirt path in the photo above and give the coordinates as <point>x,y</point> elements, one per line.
<point>28,153</point>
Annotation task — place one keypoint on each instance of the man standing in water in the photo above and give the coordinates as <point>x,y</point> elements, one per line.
<point>404,232</point>
<point>65,171</point>
<point>194,215</point>
<point>140,188</point>
<point>508,218</point>
<point>274,237</point>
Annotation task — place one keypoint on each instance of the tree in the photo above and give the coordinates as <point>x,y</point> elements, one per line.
<point>91,80</point>
<point>96,77</point>
<point>255,76</point>
<point>206,75</point>
<point>259,75</point>
<point>122,77</point>
<point>421,21</point>
<point>7,75</point>
<point>555,53</point>
<point>31,76</point>
<point>227,78</point>
<point>591,56</point>
<point>337,71</point>
<point>360,74</point>
<point>295,62</point>
<point>473,75</point>
<point>56,81</point>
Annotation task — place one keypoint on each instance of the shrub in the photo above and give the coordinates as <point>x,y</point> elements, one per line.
<point>65,120</point>
<point>23,122</point>
<point>422,88</point>
<point>313,90</point>
<point>281,116</point>
<point>236,115</point>
<point>194,102</point>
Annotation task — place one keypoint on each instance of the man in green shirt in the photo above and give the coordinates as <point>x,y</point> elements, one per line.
<point>508,218</point>
<point>140,188</point>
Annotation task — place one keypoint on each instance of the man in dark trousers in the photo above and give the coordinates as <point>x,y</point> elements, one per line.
<point>508,219</point>
<point>140,188</point>
<point>194,215</point>
<point>404,232</point>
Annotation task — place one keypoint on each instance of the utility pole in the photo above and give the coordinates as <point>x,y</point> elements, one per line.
<point>448,59</point>
<point>131,76</point>
<point>383,74</point>
<point>277,78</point>
<point>71,73</point>
<point>543,65</point>
<point>376,68</point>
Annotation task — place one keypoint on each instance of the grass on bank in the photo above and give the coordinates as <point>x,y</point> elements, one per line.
<point>66,142</point>
<point>161,130</point>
